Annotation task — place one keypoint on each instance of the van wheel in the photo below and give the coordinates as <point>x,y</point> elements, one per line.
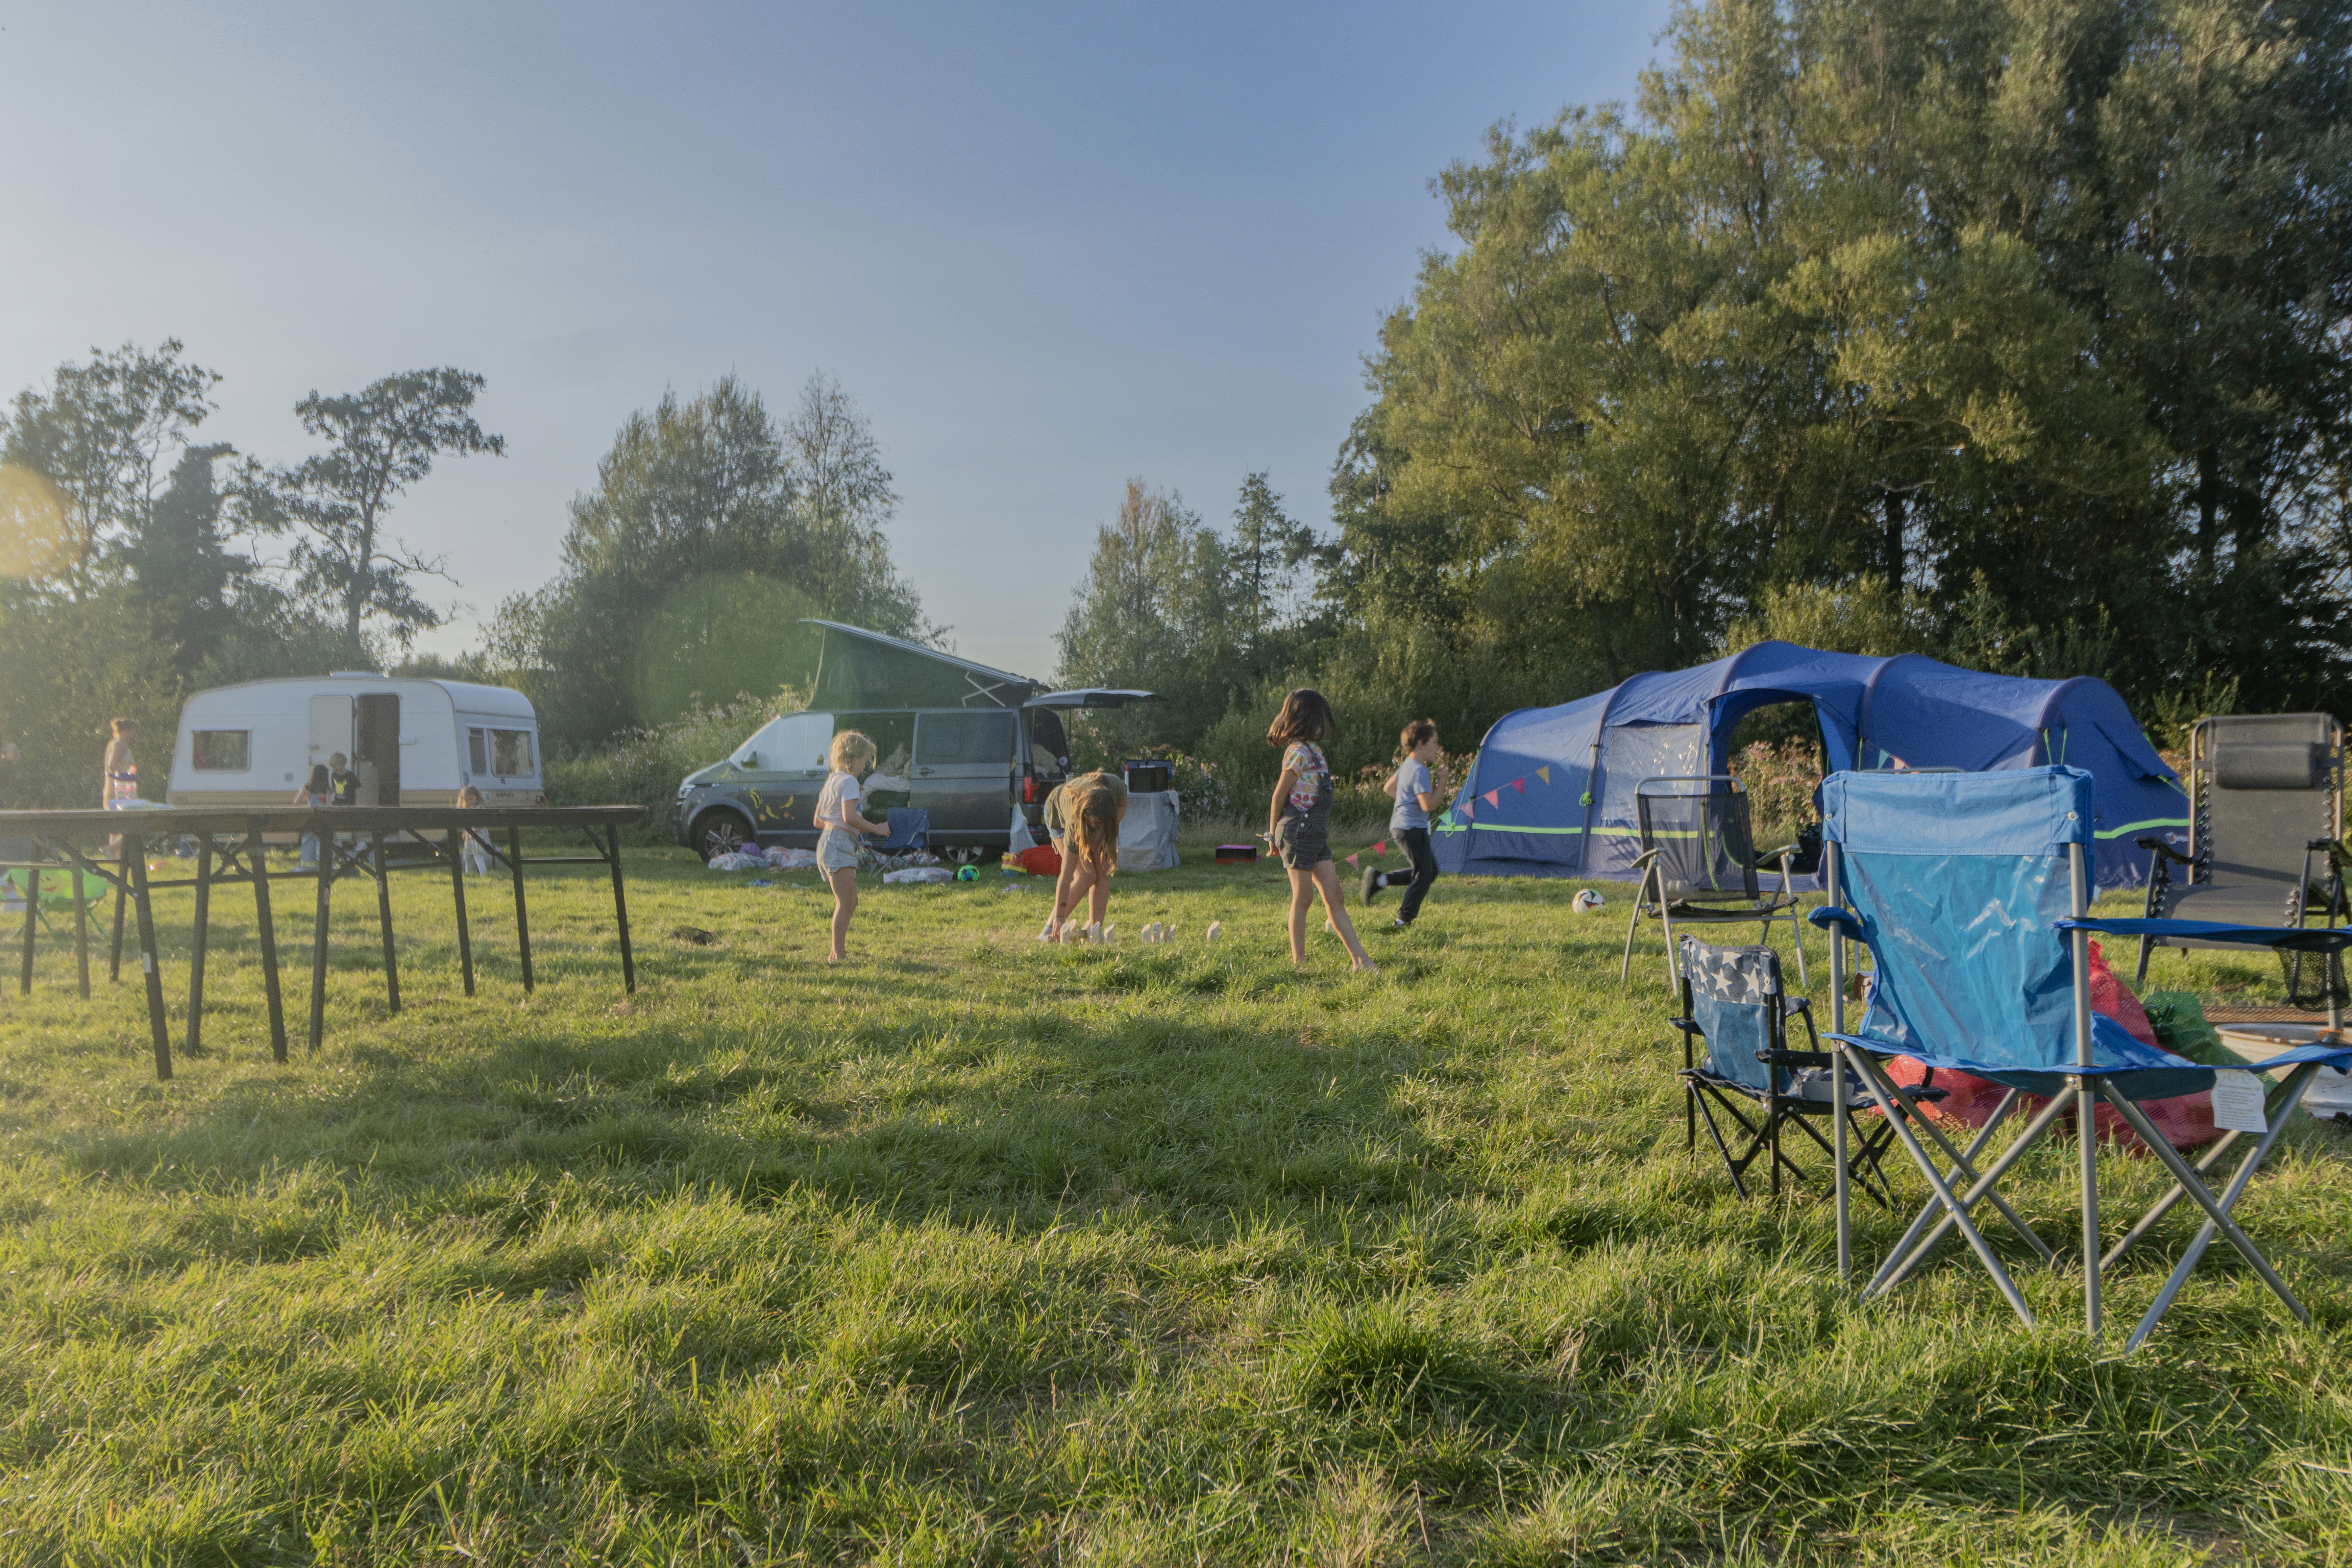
<point>719,832</point>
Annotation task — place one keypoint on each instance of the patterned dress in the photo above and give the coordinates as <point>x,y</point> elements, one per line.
<point>1303,833</point>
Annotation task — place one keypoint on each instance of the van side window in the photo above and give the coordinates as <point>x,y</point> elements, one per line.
<point>965,738</point>
<point>476,754</point>
<point>222,751</point>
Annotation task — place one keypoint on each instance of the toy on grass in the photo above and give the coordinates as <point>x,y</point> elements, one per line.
<point>967,873</point>
<point>1586,901</point>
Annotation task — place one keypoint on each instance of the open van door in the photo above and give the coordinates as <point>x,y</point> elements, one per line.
<point>1046,757</point>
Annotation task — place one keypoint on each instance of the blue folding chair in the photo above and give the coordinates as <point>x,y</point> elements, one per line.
<point>1971,892</point>
<point>1735,1005</point>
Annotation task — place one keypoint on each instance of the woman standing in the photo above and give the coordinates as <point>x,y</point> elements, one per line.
<point>318,792</point>
<point>1300,821</point>
<point>1082,818</point>
<point>117,782</point>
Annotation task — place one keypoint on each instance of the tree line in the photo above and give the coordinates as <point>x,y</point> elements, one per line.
<point>140,562</point>
<point>2011,333</point>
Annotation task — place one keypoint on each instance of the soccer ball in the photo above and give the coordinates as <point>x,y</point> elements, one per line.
<point>1587,902</point>
<point>967,873</point>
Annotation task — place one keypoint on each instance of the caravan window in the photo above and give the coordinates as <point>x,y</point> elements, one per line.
<point>222,751</point>
<point>964,738</point>
<point>793,744</point>
<point>500,753</point>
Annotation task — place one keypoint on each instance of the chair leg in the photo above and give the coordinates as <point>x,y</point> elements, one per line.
<point>2217,1212</point>
<point>1667,923</point>
<point>2291,1093</point>
<point>1977,1243</point>
<point>1625,970</point>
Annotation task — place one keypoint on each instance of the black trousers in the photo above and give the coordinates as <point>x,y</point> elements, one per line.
<point>1422,875</point>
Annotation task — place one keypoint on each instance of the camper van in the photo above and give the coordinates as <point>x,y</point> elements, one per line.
<point>412,742</point>
<point>968,744</point>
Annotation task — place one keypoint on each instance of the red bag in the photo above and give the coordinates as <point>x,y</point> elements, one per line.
<point>2186,1120</point>
<point>1042,861</point>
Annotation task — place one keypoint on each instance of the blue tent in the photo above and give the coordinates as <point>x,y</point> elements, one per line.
<point>1562,779</point>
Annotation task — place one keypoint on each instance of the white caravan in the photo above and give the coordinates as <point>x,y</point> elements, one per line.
<point>412,742</point>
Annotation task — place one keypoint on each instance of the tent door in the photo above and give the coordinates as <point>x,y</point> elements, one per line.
<point>331,731</point>
<point>375,751</point>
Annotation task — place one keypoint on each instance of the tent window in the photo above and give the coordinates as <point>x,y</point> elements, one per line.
<point>477,754</point>
<point>222,751</point>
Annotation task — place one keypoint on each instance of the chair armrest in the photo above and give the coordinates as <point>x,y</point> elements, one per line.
<point>1686,1025</point>
<point>1768,855</point>
<point>1795,1058</point>
<point>1645,856</point>
<point>2165,851</point>
<point>1828,915</point>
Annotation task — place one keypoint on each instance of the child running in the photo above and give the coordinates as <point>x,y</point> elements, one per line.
<point>1300,821</point>
<point>851,756</point>
<point>1417,794</point>
<point>1082,818</point>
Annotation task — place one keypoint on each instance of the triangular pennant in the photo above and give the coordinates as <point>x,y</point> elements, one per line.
<point>1519,784</point>
<point>1544,773</point>
<point>1351,861</point>
<point>1381,847</point>
<point>1470,808</point>
<point>1495,796</point>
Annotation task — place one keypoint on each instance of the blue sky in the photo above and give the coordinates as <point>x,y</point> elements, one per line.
<point>1043,247</point>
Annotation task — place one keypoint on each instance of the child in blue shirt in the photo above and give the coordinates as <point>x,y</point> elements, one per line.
<point>1418,793</point>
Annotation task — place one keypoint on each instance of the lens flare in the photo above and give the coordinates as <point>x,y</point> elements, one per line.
<point>32,524</point>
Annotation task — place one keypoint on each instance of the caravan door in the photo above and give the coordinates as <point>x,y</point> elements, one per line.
<point>331,731</point>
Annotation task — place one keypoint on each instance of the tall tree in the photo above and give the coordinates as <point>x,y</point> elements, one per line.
<point>380,441</point>
<point>694,489</point>
<point>103,434</point>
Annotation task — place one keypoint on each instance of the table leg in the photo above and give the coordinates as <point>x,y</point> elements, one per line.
<point>523,919</point>
<point>621,909</point>
<point>325,913</point>
<point>199,938</point>
<point>76,880</point>
<point>32,917</point>
<point>383,923</point>
<point>122,855</point>
<point>157,1026</point>
<point>258,857</point>
<point>457,891</point>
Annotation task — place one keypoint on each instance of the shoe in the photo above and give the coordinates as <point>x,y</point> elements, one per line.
<point>1371,882</point>
<point>1400,925</point>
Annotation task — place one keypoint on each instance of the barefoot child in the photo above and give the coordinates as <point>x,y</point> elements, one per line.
<point>1300,821</point>
<point>1418,793</point>
<point>1082,818</point>
<point>837,814</point>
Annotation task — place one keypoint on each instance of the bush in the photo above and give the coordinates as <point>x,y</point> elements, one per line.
<point>1780,781</point>
<point>644,766</point>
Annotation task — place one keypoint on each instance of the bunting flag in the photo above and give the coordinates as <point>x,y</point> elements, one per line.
<point>1544,773</point>
<point>1351,861</point>
<point>1381,847</point>
<point>1470,809</point>
<point>1495,796</point>
<point>1519,784</point>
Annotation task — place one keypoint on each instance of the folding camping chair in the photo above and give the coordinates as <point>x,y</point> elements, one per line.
<point>1735,1003</point>
<point>2266,796</point>
<point>1970,891</point>
<point>1698,865</point>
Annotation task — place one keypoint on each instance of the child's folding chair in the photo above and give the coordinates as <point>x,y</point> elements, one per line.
<point>1971,892</point>
<point>1735,1006</point>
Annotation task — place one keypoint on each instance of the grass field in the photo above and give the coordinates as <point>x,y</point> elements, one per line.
<point>979,1252</point>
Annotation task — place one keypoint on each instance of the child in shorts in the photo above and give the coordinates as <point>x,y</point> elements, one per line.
<point>851,756</point>
<point>1300,821</point>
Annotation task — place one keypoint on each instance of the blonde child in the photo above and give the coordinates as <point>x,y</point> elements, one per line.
<point>476,853</point>
<point>1082,818</point>
<point>1300,821</point>
<point>852,756</point>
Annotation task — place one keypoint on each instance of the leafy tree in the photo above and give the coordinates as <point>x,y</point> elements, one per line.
<point>103,435</point>
<point>182,570</point>
<point>380,441</point>
<point>692,491</point>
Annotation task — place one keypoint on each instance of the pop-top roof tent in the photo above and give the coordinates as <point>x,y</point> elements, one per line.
<point>1552,792</point>
<point>858,669</point>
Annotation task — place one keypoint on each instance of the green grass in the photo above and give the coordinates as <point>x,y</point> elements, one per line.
<point>979,1252</point>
